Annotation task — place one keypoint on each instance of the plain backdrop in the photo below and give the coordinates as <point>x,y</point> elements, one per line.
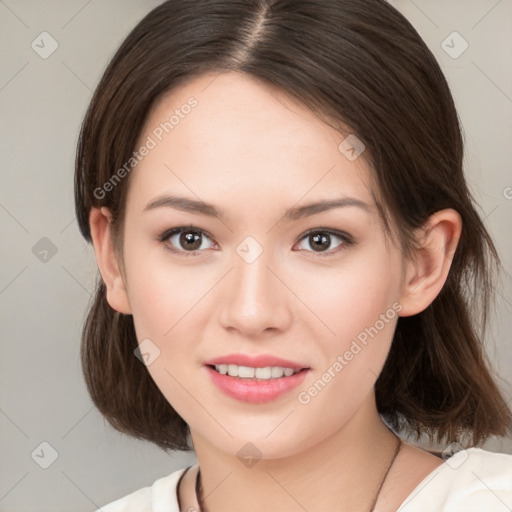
<point>47,271</point>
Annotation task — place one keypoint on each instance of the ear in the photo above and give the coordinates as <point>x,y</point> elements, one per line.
<point>425,276</point>
<point>117,297</point>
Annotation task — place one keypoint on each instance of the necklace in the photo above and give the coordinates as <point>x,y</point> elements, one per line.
<point>199,487</point>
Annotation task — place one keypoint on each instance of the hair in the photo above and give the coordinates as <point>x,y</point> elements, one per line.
<point>355,64</point>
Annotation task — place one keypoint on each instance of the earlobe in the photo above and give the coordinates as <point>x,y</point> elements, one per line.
<point>427,274</point>
<point>117,297</point>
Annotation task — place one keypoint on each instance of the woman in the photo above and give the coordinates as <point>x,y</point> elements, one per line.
<point>292,268</point>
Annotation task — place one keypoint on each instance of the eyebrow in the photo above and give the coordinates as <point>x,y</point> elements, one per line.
<point>202,208</point>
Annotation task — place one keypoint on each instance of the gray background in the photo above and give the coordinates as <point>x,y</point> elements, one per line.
<point>44,295</point>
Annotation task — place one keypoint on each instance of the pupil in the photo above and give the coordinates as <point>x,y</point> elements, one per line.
<point>321,241</point>
<point>192,240</point>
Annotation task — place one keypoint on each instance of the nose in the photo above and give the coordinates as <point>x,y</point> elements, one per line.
<point>254,301</point>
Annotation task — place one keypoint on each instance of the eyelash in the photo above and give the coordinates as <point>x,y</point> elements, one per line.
<point>345,238</point>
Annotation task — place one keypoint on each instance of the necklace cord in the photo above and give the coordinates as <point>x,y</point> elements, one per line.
<point>199,486</point>
<point>383,479</point>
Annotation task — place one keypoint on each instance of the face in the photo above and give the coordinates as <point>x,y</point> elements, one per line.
<point>320,288</point>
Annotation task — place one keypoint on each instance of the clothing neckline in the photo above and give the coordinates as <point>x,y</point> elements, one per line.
<point>410,496</point>
<point>178,501</point>
<point>430,476</point>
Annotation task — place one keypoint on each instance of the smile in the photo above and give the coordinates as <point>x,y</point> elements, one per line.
<point>255,385</point>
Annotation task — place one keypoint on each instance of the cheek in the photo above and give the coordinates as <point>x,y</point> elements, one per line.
<point>353,297</point>
<point>358,308</point>
<point>166,301</point>
<point>363,317</point>
<point>163,294</point>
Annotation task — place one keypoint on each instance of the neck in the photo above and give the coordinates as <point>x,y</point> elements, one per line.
<point>342,472</point>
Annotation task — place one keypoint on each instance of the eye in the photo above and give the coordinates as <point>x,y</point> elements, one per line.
<point>190,241</point>
<point>185,239</point>
<point>320,240</point>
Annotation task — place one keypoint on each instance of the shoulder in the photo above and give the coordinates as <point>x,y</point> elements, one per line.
<point>161,495</point>
<point>470,480</point>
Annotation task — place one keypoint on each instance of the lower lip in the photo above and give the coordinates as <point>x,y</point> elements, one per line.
<point>256,391</point>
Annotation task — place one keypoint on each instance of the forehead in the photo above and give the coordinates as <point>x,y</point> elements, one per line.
<point>222,136</point>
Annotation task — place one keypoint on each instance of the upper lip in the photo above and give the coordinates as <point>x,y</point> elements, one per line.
<point>259,361</point>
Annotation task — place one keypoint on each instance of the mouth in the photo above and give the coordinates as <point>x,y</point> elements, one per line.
<point>255,385</point>
<point>255,373</point>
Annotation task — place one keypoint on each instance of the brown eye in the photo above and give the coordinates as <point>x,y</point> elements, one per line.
<point>322,241</point>
<point>190,241</point>
<point>319,242</point>
<point>185,240</point>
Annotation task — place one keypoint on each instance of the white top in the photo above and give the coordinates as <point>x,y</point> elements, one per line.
<point>472,480</point>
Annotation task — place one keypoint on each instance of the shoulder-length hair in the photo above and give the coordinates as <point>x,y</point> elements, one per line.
<point>355,64</point>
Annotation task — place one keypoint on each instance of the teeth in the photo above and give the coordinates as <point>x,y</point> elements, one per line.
<point>247,372</point>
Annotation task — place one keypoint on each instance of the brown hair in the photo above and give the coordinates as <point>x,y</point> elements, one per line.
<point>355,64</point>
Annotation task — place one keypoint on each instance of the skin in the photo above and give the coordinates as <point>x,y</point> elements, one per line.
<point>254,152</point>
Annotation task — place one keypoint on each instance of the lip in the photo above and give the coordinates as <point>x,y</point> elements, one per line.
<point>255,391</point>
<point>259,361</point>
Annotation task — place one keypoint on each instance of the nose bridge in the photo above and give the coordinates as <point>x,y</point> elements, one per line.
<point>252,276</point>
<point>252,300</point>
